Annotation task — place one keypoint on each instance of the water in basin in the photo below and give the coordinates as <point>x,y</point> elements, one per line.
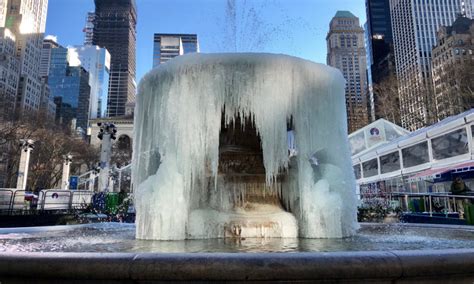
<point>117,237</point>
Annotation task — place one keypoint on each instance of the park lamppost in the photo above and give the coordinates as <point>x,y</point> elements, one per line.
<point>106,134</point>
<point>67,159</point>
<point>26,146</point>
<point>93,174</point>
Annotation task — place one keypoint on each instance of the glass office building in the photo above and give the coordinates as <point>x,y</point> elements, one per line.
<point>115,29</point>
<point>168,46</point>
<point>69,85</point>
<point>96,61</point>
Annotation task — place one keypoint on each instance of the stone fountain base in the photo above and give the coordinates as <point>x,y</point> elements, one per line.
<point>252,221</point>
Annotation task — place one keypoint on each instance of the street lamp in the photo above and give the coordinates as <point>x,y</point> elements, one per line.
<point>93,174</point>
<point>107,132</point>
<point>67,159</point>
<point>26,146</point>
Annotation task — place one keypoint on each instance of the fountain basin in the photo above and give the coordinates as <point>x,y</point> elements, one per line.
<point>434,266</point>
<point>396,253</point>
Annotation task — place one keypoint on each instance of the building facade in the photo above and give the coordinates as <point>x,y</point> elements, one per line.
<point>168,46</point>
<point>89,29</point>
<point>380,54</point>
<point>26,19</point>
<point>96,61</point>
<point>69,85</point>
<point>115,29</point>
<point>9,74</point>
<point>414,27</point>
<point>22,24</point>
<point>48,45</point>
<point>47,105</point>
<point>346,51</point>
<point>453,68</point>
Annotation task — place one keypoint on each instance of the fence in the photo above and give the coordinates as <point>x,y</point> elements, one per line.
<point>431,202</point>
<point>119,180</point>
<point>50,199</point>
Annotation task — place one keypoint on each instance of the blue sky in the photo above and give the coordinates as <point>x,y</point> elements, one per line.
<point>294,27</point>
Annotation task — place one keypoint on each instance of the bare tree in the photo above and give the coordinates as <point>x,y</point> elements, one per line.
<point>122,151</point>
<point>455,89</point>
<point>387,100</point>
<point>52,143</point>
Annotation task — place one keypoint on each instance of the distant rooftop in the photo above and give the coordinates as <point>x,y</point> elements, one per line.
<point>344,14</point>
<point>460,26</point>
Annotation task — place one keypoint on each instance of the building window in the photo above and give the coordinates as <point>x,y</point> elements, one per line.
<point>415,155</point>
<point>357,171</point>
<point>450,145</point>
<point>390,162</point>
<point>371,168</point>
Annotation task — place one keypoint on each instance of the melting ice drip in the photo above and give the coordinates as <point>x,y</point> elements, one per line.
<point>189,186</point>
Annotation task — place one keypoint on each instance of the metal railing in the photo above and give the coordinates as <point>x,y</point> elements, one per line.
<point>12,199</point>
<point>446,199</point>
<point>120,179</point>
<point>49,199</point>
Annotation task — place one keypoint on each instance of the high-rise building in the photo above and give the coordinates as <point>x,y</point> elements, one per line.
<point>9,77</point>
<point>47,105</point>
<point>380,54</point>
<point>168,46</point>
<point>70,88</point>
<point>48,45</point>
<point>22,24</point>
<point>453,68</point>
<point>115,29</point>
<point>26,16</point>
<point>96,61</point>
<point>9,74</point>
<point>3,12</point>
<point>414,27</point>
<point>27,20</point>
<point>89,29</point>
<point>346,51</point>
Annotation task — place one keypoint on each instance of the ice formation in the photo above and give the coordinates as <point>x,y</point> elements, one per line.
<point>179,191</point>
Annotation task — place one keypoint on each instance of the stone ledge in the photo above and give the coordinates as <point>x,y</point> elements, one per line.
<point>435,266</point>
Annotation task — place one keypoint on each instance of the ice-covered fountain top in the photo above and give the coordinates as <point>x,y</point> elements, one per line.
<point>178,122</point>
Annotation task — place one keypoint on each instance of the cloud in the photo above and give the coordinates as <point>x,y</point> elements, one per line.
<point>73,56</point>
<point>52,37</point>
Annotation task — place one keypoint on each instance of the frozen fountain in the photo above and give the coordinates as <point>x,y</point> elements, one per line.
<point>213,172</point>
<point>211,155</point>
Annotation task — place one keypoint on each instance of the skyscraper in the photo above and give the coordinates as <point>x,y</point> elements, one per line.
<point>69,85</point>
<point>414,26</point>
<point>346,51</point>
<point>47,105</point>
<point>22,24</point>
<point>168,46</point>
<point>27,21</point>
<point>26,16</point>
<point>89,29</point>
<point>380,54</point>
<point>10,74</point>
<point>3,12</point>
<point>115,29</point>
<point>96,61</point>
<point>49,44</point>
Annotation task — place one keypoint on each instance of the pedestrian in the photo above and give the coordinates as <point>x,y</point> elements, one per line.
<point>459,187</point>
